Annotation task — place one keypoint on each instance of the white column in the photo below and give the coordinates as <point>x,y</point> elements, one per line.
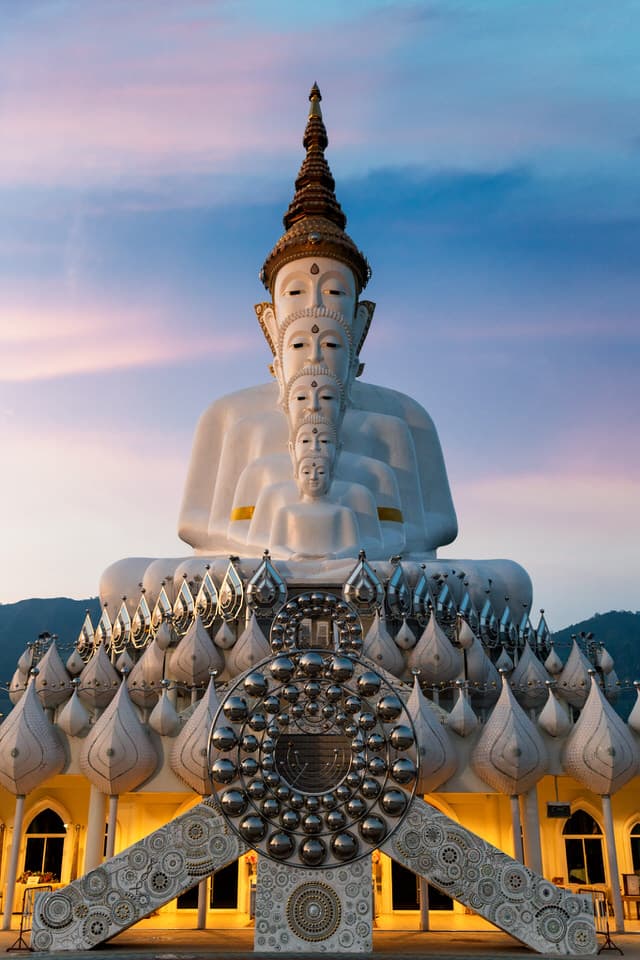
<point>516,826</point>
<point>95,829</point>
<point>531,822</point>
<point>112,823</point>
<point>202,903</point>
<point>612,857</point>
<point>424,904</point>
<point>12,872</point>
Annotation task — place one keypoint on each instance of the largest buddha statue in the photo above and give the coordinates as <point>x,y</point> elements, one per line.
<point>316,465</point>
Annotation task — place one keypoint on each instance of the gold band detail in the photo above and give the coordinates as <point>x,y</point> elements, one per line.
<point>242,513</point>
<point>392,514</point>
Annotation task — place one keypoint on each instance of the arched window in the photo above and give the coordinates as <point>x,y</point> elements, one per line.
<point>635,846</point>
<point>583,847</point>
<point>45,845</point>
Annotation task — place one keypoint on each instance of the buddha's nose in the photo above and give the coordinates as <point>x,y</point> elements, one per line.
<point>316,295</point>
<point>315,352</point>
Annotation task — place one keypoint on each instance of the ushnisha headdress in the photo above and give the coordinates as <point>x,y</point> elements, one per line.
<point>316,371</point>
<point>314,222</point>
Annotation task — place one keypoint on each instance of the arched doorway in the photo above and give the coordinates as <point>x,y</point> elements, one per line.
<point>583,849</point>
<point>44,846</point>
<point>634,839</point>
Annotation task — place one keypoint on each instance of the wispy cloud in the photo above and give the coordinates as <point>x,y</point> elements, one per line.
<point>48,340</point>
<point>75,501</point>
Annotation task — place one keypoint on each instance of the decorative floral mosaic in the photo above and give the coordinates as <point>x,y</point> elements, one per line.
<point>498,888</point>
<point>133,884</point>
<point>307,911</point>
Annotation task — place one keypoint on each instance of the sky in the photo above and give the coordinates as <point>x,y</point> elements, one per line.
<point>487,155</point>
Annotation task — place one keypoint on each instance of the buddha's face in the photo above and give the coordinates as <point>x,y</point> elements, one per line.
<point>316,339</point>
<point>314,476</point>
<point>313,440</point>
<point>312,393</point>
<point>314,282</point>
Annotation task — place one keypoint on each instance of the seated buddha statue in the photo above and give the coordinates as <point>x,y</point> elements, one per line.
<point>316,464</point>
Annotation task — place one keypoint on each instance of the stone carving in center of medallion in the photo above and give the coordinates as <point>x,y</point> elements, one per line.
<point>312,763</point>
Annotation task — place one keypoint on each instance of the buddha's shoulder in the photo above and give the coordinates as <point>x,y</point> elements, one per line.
<point>241,404</point>
<point>384,400</point>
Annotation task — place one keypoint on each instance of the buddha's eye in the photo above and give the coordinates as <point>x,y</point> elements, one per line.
<point>332,345</point>
<point>334,293</point>
<point>294,293</point>
<point>298,345</point>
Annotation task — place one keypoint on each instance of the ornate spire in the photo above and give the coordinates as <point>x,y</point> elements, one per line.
<point>315,186</point>
<point>314,221</point>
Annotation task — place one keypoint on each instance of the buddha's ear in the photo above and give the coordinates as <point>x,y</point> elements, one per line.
<point>362,322</point>
<point>267,320</point>
<point>293,460</point>
<point>276,370</point>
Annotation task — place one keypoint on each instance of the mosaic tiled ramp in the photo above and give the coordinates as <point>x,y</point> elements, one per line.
<point>169,861</point>
<point>492,884</point>
<point>136,882</point>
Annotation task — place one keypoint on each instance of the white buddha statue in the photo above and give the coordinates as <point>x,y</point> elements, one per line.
<point>316,465</point>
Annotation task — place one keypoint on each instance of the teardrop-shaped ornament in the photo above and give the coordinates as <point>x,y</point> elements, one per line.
<point>231,595</point>
<point>489,627</point>
<point>26,660</point>
<point>504,662</point>
<point>553,663</point>
<point>266,590</point>
<point>225,636</point>
<point>141,624</point>
<point>85,641</point>
<point>543,634</point>
<point>398,595</point>
<point>526,633</point>
<point>102,636</point>
<point>363,588</point>
<point>423,602</point>
<point>405,638</point>
<point>467,610</point>
<point>124,663</point>
<point>162,610</point>
<point>121,631</point>
<point>183,609</point>
<point>506,631</point>
<point>445,608</point>
<point>164,636</point>
<point>75,663</point>
<point>207,600</point>
<point>604,660</point>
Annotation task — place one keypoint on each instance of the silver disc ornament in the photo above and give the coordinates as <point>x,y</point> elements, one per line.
<point>311,752</point>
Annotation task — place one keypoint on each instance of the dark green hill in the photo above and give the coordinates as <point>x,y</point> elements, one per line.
<point>618,630</point>
<point>21,623</point>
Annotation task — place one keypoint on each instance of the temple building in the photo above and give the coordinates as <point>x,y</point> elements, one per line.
<point>315,722</point>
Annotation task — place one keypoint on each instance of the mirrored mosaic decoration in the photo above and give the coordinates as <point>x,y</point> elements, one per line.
<point>306,911</point>
<point>468,869</point>
<point>136,882</point>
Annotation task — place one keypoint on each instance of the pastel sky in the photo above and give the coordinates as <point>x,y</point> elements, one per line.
<point>487,155</point>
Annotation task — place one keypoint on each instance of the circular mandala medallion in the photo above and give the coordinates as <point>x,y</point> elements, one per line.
<point>96,927</point>
<point>552,924</point>
<point>313,912</point>
<point>57,911</point>
<point>312,754</point>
